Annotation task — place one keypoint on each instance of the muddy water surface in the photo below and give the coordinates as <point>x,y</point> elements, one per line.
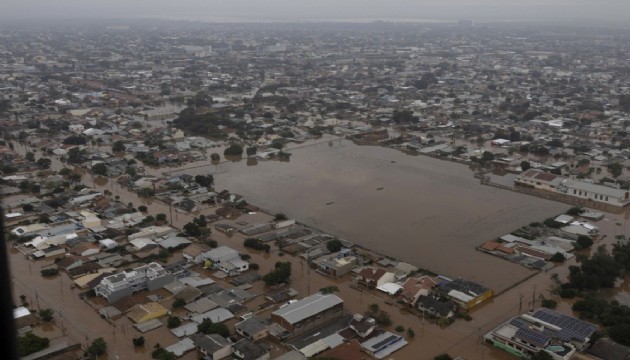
<point>429,212</point>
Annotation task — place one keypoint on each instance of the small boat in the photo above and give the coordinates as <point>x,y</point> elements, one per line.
<point>330,203</point>
<point>380,188</point>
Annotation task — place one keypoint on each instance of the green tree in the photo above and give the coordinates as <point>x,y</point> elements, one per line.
<point>65,172</point>
<point>46,314</point>
<point>97,348</point>
<point>542,355</point>
<point>329,289</point>
<point>280,274</point>
<point>173,322</point>
<point>549,303</point>
<point>215,157</point>
<point>75,155</point>
<point>204,180</point>
<point>525,165</point>
<point>373,309</point>
<point>251,151</point>
<point>334,245</point>
<point>178,303</point>
<point>487,156</point>
<point>277,144</point>
<point>615,169</point>
<point>192,229</point>
<point>233,150</point>
<point>43,163</point>
<point>557,258</point>
<point>280,217</point>
<point>31,343</point>
<point>30,157</point>
<point>208,327</point>
<point>411,333</point>
<point>160,217</point>
<point>583,242</point>
<point>443,357</point>
<point>139,341</point>
<point>99,169</point>
<point>620,333</point>
<point>162,354</point>
<point>118,146</point>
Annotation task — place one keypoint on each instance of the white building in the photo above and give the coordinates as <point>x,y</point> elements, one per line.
<point>115,287</point>
<point>600,193</point>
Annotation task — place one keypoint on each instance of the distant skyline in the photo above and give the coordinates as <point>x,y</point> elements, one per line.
<point>602,11</point>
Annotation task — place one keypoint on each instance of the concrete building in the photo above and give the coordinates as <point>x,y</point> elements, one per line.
<point>213,346</point>
<point>308,313</point>
<point>115,287</point>
<point>253,328</point>
<point>557,334</point>
<point>465,293</point>
<point>539,179</point>
<point>595,192</point>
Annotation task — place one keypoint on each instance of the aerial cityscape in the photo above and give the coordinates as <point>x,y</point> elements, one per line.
<point>373,189</point>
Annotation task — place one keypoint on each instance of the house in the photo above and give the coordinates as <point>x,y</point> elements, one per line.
<point>85,249</point>
<point>253,328</point>
<point>225,259</point>
<point>466,294</point>
<point>214,346</point>
<point>337,264</point>
<point>194,252</point>
<point>435,306</point>
<point>606,349</point>
<point>545,329</point>
<point>309,313</point>
<point>539,179</point>
<point>144,312</point>
<point>363,326</point>
<point>614,196</point>
<point>373,278</point>
<point>218,255</point>
<point>383,345</point>
<point>248,350</point>
<point>115,287</point>
<point>415,287</point>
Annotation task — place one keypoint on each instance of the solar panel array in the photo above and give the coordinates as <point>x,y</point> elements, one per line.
<point>571,328</point>
<point>389,340</point>
<point>532,337</point>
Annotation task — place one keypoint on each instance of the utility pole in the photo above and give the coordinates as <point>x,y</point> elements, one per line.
<point>308,273</point>
<point>534,298</point>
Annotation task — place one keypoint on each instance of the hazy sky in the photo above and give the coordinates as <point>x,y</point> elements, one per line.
<point>602,10</point>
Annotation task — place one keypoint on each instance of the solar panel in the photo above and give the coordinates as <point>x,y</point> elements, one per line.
<point>388,340</point>
<point>532,337</point>
<point>570,326</point>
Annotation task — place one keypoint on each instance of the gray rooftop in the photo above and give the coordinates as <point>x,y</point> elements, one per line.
<point>307,307</point>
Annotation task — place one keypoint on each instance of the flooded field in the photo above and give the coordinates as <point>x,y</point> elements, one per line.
<point>429,212</point>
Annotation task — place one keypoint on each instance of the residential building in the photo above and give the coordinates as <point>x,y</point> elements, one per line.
<point>309,313</point>
<point>253,328</point>
<point>435,306</point>
<point>466,293</point>
<point>595,192</point>
<point>557,334</point>
<point>415,287</point>
<point>383,345</point>
<point>373,278</point>
<point>115,287</point>
<point>248,350</point>
<point>539,179</point>
<point>214,346</point>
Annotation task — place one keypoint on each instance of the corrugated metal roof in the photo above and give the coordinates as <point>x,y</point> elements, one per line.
<point>307,307</point>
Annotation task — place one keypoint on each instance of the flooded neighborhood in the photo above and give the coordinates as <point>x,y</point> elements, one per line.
<point>334,191</point>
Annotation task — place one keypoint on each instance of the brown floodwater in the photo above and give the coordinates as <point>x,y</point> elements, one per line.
<point>425,211</point>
